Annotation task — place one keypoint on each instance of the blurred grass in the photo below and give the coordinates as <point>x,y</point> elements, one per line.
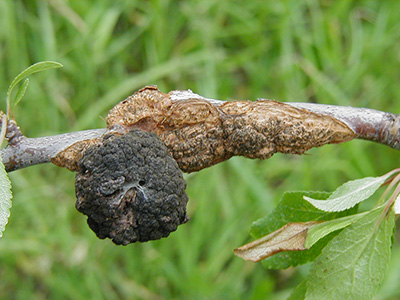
<point>336,52</point>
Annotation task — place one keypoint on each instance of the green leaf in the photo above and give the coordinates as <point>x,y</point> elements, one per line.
<point>354,263</point>
<point>38,67</point>
<point>5,198</point>
<point>318,231</point>
<point>299,292</point>
<point>350,193</point>
<point>21,92</point>
<point>293,208</point>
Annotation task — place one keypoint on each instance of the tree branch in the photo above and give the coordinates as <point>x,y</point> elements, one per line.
<point>368,124</point>
<point>32,151</point>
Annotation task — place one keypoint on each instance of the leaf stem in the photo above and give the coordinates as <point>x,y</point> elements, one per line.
<point>393,182</point>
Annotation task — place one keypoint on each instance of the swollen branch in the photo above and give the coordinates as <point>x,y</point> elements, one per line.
<point>200,132</point>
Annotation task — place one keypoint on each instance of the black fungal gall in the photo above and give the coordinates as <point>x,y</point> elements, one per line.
<point>131,189</point>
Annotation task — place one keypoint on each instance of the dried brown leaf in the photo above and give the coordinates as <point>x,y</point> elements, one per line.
<point>290,237</point>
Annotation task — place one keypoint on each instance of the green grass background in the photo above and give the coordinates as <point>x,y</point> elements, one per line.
<point>335,52</point>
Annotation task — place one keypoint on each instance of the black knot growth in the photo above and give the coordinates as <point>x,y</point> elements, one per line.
<point>131,189</point>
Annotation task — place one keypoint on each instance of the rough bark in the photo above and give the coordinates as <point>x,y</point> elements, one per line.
<point>200,132</point>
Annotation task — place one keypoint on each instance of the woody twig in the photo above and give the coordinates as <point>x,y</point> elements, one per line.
<point>200,132</point>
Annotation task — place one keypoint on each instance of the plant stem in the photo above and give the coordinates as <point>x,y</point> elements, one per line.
<point>368,124</point>
<point>32,151</point>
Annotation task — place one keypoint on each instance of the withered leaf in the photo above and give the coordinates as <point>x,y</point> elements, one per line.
<point>290,237</point>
